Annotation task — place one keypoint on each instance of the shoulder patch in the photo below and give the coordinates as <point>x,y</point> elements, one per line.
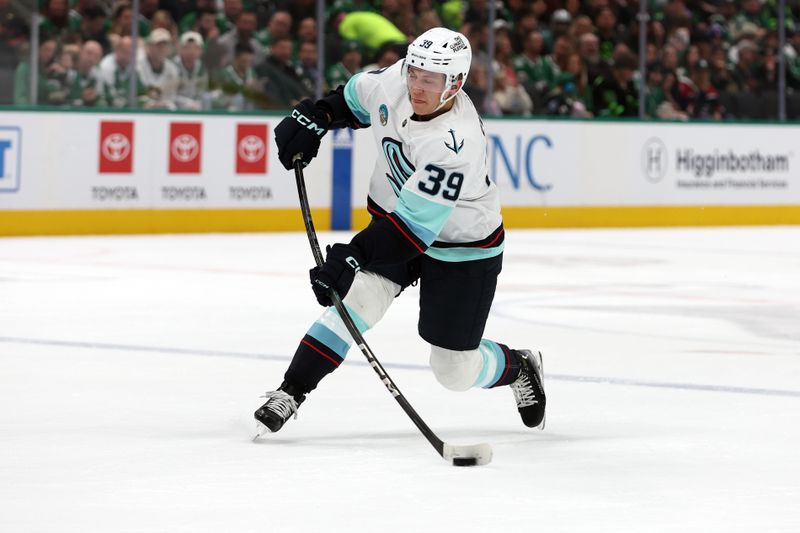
<point>457,145</point>
<point>383,113</point>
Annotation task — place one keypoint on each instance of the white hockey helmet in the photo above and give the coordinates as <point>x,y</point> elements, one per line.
<point>444,51</point>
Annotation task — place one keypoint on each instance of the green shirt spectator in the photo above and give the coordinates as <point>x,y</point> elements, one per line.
<point>371,30</point>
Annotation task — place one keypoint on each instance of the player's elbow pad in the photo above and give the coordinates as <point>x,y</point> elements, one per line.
<point>336,106</point>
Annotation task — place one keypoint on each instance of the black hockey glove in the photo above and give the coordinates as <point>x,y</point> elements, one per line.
<point>337,272</point>
<point>301,133</point>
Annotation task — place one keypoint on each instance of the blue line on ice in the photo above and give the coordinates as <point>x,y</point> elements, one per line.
<point>404,366</point>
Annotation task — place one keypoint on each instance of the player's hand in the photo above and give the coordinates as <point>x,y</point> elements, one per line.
<point>337,273</point>
<point>301,133</point>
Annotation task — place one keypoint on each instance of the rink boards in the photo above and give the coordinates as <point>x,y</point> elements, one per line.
<point>87,172</point>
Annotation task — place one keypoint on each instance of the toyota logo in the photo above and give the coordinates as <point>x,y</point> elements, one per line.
<point>654,160</point>
<point>185,148</point>
<point>116,147</point>
<point>251,149</point>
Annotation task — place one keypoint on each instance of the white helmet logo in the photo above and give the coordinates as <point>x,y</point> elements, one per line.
<point>251,149</point>
<point>116,147</point>
<point>185,148</point>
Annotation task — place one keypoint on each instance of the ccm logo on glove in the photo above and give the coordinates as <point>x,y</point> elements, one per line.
<point>337,273</point>
<point>307,122</point>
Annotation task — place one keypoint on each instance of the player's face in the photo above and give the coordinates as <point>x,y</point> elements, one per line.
<point>424,88</point>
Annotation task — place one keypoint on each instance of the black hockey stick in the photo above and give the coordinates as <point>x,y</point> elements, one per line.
<point>476,454</point>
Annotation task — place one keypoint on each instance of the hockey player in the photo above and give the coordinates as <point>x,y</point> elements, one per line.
<point>435,218</point>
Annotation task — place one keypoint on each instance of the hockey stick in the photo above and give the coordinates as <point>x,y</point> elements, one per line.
<point>476,454</point>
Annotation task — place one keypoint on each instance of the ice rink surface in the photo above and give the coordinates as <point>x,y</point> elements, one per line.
<point>130,368</point>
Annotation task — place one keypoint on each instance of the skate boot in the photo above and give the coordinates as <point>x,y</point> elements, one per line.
<point>529,388</point>
<point>281,405</point>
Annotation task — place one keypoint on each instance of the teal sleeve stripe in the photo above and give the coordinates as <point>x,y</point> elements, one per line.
<point>329,339</point>
<point>359,322</point>
<point>425,218</point>
<point>457,255</point>
<point>351,97</point>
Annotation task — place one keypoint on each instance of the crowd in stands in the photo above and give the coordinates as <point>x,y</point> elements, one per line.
<point>708,59</point>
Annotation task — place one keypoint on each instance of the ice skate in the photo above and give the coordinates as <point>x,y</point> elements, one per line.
<point>281,405</point>
<point>529,389</point>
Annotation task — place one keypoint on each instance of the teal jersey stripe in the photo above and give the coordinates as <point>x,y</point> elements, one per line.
<point>329,339</point>
<point>457,255</point>
<point>501,360</point>
<point>425,218</point>
<point>351,97</point>
<point>359,322</point>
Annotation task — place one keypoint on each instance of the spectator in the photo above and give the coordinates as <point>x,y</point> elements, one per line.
<point>697,97</point>
<point>48,67</point>
<point>85,88</point>
<point>564,100</point>
<point>307,65</point>
<point>162,19</point>
<point>792,54</point>
<point>388,54</point>
<point>13,35</point>
<point>307,29</point>
<point>121,20</point>
<point>525,23</point>
<point>476,88</point>
<point>59,20</point>
<point>510,96</point>
<point>655,89</point>
<point>350,63</point>
<point>580,81</point>
<point>745,73</point>
<point>220,51</point>
<point>231,9</point>
<point>159,76</point>
<point>582,26</point>
<point>239,81</point>
<point>535,72</point>
<point>192,73</point>
<point>147,9</point>
<point>95,26</point>
<point>281,81</point>
<point>427,20</point>
<point>215,24</point>
<point>206,25</point>
<point>560,23</point>
<point>371,30</point>
<point>115,74</point>
<point>562,50</point>
<point>720,73</point>
<point>616,96</point>
<point>279,25</point>
<point>607,32</point>
<point>503,54</point>
<point>589,50</point>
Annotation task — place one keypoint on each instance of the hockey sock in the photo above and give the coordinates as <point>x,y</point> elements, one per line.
<point>500,366</point>
<point>322,350</point>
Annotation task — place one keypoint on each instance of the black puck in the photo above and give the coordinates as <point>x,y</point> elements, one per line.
<point>464,461</point>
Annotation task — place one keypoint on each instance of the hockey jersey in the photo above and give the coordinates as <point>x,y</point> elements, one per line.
<point>432,174</point>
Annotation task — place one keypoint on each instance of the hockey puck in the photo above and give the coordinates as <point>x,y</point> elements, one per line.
<point>464,461</point>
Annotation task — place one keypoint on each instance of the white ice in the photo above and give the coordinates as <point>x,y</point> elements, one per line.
<point>130,368</point>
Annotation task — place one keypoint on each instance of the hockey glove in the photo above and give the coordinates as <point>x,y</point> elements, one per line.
<point>337,272</point>
<point>301,133</point>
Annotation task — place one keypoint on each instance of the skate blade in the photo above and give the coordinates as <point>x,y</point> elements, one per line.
<point>261,430</point>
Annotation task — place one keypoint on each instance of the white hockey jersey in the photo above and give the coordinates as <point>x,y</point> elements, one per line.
<point>432,174</point>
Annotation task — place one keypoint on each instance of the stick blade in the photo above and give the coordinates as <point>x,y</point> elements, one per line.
<point>471,455</point>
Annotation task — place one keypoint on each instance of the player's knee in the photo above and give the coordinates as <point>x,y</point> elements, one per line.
<point>370,296</point>
<point>455,370</point>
